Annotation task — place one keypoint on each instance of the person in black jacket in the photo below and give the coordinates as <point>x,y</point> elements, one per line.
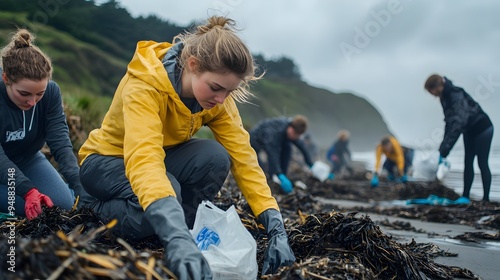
<point>31,114</point>
<point>339,154</point>
<point>463,115</point>
<point>275,136</point>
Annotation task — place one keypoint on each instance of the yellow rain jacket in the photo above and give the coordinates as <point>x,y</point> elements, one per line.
<point>147,115</point>
<point>396,156</point>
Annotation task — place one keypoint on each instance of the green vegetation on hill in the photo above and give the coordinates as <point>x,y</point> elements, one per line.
<point>90,46</point>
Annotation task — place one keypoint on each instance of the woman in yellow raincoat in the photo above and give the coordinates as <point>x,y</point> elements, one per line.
<point>145,169</point>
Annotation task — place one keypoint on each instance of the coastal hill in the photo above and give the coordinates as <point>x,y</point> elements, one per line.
<point>91,44</point>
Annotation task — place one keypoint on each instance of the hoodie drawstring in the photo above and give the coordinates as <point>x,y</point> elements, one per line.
<point>31,122</point>
<point>24,121</point>
<point>32,117</point>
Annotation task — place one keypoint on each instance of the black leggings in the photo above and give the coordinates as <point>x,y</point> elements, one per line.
<point>477,145</point>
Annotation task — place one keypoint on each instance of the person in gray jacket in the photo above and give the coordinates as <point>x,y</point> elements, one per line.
<point>275,136</point>
<point>31,114</point>
<point>463,115</point>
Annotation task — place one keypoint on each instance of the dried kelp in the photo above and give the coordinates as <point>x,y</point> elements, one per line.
<point>356,248</point>
<point>472,214</point>
<point>477,236</point>
<point>399,225</point>
<point>75,256</point>
<point>55,219</point>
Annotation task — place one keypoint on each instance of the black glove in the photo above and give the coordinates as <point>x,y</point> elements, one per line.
<point>182,256</point>
<point>278,252</point>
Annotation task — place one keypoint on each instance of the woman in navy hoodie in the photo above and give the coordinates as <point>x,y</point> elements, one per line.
<point>463,115</point>
<point>31,114</point>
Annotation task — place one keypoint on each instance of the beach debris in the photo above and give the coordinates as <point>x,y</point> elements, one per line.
<point>54,219</point>
<point>354,247</point>
<point>399,225</point>
<point>341,244</point>
<point>478,236</point>
<point>491,221</point>
<point>471,215</point>
<point>76,256</point>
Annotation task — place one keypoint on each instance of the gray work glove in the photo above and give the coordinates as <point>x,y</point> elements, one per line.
<point>278,252</point>
<point>182,256</point>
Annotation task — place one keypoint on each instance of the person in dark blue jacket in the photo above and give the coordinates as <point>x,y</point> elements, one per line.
<point>339,154</point>
<point>463,115</point>
<point>275,136</point>
<point>31,114</point>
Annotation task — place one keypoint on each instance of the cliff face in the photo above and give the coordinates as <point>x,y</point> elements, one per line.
<point>327,112</point>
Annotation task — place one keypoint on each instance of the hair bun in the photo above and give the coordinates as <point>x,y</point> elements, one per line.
<point>214,22</point>
<point>22,39</point>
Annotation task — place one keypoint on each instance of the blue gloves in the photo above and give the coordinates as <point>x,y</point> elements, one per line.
<point>443,168</point>
<point>443,160</point>
<point>404,178</point>
<point>286,185</point>
<point>374,182</point>
<point>331,176</point>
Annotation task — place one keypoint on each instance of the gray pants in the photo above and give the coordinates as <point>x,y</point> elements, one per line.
<point>197,169</point>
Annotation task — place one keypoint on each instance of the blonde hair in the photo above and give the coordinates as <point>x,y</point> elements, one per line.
<point>217,48</point>
<point>343,135</point>
<point>21,59</point>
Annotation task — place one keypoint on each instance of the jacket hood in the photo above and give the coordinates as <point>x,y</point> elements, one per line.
<point>147,64</point>
<point>448,85</point>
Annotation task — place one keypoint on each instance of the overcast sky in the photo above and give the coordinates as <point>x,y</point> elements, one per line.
<point>380,50</point>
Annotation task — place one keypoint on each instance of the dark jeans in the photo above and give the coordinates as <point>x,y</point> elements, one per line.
<point>285,157</point>
<point>46,179</point>
<point>342,161</point>
<point>197,169</point>
<point>391,166</point>
<point>477,145</point>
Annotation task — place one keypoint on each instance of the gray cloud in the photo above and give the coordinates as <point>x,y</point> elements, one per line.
<point>457,38</point>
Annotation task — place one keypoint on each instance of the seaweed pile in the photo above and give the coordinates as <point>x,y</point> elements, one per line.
<point>476,214</point>
<point>482,215</point>
<point>476,236</point>
<point>54,219</point>
<point>76,256</point>
<point>337,246</point>
<point>361,190</point>
<point>328,245</point>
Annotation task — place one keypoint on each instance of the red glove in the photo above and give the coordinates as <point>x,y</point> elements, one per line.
<point>34,201</point>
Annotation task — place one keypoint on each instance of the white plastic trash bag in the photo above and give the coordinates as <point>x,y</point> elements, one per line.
<point>443,170</point>
<point>228,247</point>
<point>320,170</point>
<point>425,165</point>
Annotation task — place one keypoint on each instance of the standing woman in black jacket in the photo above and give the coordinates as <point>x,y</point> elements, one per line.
<point>463,115</point>
<point>31,114</point>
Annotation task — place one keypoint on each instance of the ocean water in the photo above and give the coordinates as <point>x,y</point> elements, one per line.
<point>454,179</point>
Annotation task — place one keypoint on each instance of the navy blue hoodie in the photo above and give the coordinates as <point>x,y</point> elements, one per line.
<point>270,135</point>
<point>461,114</point>
<point>23,134</point>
